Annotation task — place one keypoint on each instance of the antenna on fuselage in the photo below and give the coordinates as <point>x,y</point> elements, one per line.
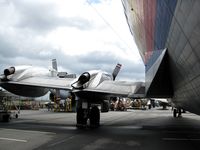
<point>116,71</point>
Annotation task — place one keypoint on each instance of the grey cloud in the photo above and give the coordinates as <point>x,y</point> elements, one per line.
<point>7,48</point>
<point>43,17</point>
<point>98,56</point>
<point>10,49</point>
<point>135,73</point>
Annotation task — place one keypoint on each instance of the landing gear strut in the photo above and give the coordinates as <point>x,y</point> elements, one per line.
<point>83,114</point>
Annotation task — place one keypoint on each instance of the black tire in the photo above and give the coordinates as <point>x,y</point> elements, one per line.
<point>94,117</point>
<point>179,112</point>
<point>81,120</point>
<point>6,118</point>
<point>175,113</point>
<point>105,106</point>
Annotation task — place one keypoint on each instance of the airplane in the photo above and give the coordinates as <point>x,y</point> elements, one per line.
<point>90,88</point>
<point>161,102</point>
<point>168,43</point>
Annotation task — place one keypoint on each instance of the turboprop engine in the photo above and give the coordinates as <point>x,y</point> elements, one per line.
<point>13,71</point>
<point>9,71</point>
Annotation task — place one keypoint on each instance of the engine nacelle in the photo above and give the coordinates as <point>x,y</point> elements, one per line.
<point>83,79</point>
<point>9,71</point>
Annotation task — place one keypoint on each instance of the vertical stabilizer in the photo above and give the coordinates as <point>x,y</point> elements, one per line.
<point>54,69</point>
<point>116,71</point>
<point>54,64</point>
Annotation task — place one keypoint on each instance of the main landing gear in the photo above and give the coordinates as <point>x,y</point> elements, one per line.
<point>177,112</point>
<point>87,112</point>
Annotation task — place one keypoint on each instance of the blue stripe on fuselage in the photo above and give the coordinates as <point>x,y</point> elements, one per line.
<point>164,14</point>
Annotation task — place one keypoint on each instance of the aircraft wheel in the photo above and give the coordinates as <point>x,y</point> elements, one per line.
<point>179,113</point>
<point>94,117</point>
<point>81,118</point>
<point>175,112</point>
<point>6,118</point>
<point>105,106</point>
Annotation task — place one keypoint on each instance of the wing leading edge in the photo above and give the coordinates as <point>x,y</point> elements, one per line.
<point>44,82</point>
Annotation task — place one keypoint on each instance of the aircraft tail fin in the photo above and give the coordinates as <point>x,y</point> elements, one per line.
<point>116,71</point>
<point>54,69</point>
<point>54,64</point>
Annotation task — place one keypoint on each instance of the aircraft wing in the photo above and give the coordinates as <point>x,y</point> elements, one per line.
<point>116,88</point>
<point>44,82</point>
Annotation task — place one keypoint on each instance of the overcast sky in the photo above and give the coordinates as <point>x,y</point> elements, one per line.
<point>81,34</point>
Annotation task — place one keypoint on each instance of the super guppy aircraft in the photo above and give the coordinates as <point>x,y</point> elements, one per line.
<point>167,34</point>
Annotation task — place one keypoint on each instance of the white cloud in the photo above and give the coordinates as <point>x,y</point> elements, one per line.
<point>70,31</point>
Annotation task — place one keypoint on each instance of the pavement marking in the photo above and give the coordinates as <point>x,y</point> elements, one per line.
<point>16,140</point>
<point>126,127</point>
<point>130,127</point>
<point>179,139</point>
<point>27,131</point>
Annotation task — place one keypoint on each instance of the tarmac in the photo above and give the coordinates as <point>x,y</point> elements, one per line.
<point>153,129</point>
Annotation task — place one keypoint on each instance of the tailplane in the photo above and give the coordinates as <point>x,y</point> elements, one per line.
<point>116,71</point>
